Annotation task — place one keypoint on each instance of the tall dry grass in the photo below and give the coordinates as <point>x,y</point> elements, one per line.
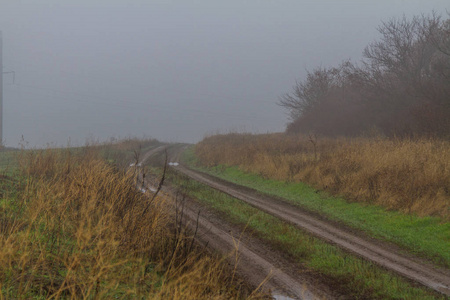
<point>409,175</point>
<point>79,229</point>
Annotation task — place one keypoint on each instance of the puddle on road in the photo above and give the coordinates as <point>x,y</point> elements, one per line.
<point>305,295</point>
<point>281,297</point>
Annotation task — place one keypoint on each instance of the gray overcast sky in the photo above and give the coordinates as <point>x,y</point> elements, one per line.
<point>172,70</point>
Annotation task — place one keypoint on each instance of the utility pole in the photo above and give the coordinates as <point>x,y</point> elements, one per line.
<point>1,87</point>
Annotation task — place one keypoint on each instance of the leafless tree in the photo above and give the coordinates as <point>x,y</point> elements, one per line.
<point>306,95</point>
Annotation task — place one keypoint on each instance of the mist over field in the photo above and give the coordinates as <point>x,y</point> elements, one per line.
<point>172,70</point>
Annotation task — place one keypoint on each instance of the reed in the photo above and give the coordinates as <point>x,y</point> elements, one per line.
<point>408,175</point>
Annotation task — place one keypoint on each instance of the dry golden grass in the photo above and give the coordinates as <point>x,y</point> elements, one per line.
<point>79,229</point>
<point>412,176</point>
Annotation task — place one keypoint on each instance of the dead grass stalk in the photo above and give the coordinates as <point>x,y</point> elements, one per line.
<point>409,175</point>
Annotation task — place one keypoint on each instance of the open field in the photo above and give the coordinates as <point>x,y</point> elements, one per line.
<point>74,226</point>
<point>411,176</point>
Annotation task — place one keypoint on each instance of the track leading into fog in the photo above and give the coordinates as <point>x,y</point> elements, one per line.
<point>252,260</point>
<point>386,256</point>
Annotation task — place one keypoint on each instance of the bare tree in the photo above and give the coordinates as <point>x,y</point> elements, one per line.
<point>407,51</point>
<point>308,94</point>
<point>409,70</point>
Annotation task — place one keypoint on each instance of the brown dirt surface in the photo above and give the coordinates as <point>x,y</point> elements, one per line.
<point>253,261</point>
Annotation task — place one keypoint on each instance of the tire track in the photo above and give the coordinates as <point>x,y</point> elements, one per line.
<point>253,261</point>
<point>412,268</point>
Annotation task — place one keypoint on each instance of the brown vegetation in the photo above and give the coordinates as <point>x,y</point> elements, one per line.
<point>78,228</point>
<point>412,176</point>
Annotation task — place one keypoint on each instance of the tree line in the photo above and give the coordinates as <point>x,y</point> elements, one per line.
<point>401,87</point>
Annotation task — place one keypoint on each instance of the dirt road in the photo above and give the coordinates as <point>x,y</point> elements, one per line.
<point>253,261</point>
<point>390,258</point>
<point>383,254</point>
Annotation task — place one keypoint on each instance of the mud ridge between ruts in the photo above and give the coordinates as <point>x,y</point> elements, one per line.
<point>381,253</point>
<point>253,262</point>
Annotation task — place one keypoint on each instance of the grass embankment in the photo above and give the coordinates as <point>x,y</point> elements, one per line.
<point>73,226</point>
<point>426,235</point>
<point>353,277</point>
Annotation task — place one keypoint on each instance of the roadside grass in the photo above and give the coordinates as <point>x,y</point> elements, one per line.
<point>10,183</point>
<point>74,226</point>
<point>8,164</point>
<point>350,275</point>
<point>428,237</point>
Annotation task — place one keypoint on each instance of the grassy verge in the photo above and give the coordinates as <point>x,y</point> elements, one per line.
<point>353,277</point>
<point>8,165</point>
<point>73,226</point>
<point>428,237</point>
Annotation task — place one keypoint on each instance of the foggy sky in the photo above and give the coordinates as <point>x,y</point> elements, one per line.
<point>172,70</point>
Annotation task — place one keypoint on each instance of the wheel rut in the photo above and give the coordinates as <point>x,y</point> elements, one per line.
<point>257,264</point>
<point>412,268</point>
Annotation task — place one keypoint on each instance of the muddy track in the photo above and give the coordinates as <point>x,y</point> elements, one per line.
<point>253,261</point>
<point>412,268</point>
<point>382,254</point>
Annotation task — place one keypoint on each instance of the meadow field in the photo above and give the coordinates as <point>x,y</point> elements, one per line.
<point>406,175</point>
<point>74,226</point>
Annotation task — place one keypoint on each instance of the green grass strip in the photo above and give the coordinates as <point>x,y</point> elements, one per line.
<point>425,236</point>
<point>354,277</point>
<point>8,162</point>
